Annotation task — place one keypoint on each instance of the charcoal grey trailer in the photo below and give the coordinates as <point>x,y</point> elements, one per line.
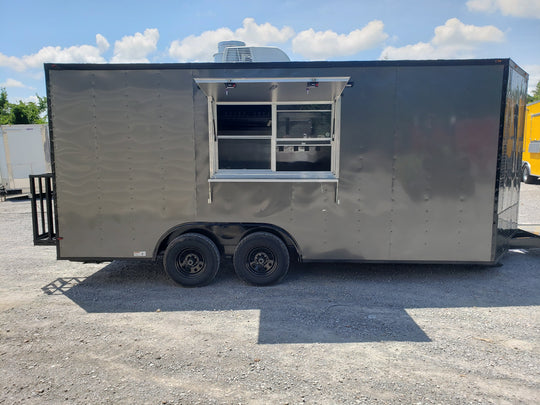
<point>385,161</point>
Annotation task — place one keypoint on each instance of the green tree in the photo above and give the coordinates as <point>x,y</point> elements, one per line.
<point>26,113</point>
<point>535,95</point>
<point>22,113</point>
<point>5,108</point>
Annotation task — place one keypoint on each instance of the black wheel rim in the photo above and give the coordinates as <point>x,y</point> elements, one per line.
<point>190,262</point>
<point>261,261</point>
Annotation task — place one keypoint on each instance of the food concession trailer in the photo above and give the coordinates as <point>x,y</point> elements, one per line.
<point>382,161</point>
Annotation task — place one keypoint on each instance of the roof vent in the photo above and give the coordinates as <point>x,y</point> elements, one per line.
<point>237,52</point>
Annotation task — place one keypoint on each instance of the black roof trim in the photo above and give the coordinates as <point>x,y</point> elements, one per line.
<point>518,69</point>
<point>259,65</point>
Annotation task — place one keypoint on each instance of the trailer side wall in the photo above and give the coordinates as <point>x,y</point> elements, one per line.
<point>418,161</point>
<point>418,165</point>
<point>124,153</point>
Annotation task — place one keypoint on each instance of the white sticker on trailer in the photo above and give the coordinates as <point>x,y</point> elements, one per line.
<point>142,253</point>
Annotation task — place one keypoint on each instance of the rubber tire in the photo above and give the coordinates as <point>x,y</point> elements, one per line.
<point>270,248</point>
<point>526,175</point>
<point>204,253</point>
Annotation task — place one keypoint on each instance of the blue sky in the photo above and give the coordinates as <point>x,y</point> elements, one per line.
<point>163,31</point>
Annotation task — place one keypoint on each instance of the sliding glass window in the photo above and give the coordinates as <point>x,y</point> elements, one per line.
<point>244,134</point>
<point>304,140</point>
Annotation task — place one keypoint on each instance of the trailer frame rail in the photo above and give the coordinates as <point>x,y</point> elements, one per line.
<point>524,240</point>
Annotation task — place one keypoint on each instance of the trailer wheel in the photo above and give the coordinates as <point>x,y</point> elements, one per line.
<point>261,259</point>
<point>526,175</point>
<point>191,260</point>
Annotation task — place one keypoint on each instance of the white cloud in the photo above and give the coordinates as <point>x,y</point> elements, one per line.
<point>325,44</point>
<point>102,43</point>
<point>29,99</point>
<point>13,62</point>
<point>199,48</point>
<point>81,54</point>
<point>514,8</point>
<point>534,76</point>
<point>455,33</point>
<point>451,40</point>
<point>202,47</point>
<point>135,48</point>
<point>420,50</point>
<point>14,83</point>
<point>73,54</point>
<point>263,34</point>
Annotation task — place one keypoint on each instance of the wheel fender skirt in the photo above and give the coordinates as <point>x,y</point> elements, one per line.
<point>524,240</point>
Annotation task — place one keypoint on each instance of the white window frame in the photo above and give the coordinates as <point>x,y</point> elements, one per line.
<point>272,175</point>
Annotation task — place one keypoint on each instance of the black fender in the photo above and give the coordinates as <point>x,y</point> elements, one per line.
<point>226,235</point>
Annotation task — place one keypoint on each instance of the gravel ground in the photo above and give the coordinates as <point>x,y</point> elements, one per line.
<point>122,333</point>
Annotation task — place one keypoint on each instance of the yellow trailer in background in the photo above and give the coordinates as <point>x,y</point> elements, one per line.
<point>531,144</point>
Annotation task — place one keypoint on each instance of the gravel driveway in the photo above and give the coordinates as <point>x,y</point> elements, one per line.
<point>329,334</point>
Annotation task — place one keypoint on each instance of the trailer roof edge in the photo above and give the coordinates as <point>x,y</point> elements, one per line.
<point>259,65</point>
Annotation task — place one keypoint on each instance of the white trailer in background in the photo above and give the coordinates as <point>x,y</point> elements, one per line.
<point>24,150</point>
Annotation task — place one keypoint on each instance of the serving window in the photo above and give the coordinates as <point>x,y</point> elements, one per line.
<point>273,129</point>
<point>244,135</point>
<point>304,141</point>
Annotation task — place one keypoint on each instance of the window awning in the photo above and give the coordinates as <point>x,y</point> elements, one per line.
<point>282,89</point>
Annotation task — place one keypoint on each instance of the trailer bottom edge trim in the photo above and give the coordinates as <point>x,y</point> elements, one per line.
<point>306,261</point>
